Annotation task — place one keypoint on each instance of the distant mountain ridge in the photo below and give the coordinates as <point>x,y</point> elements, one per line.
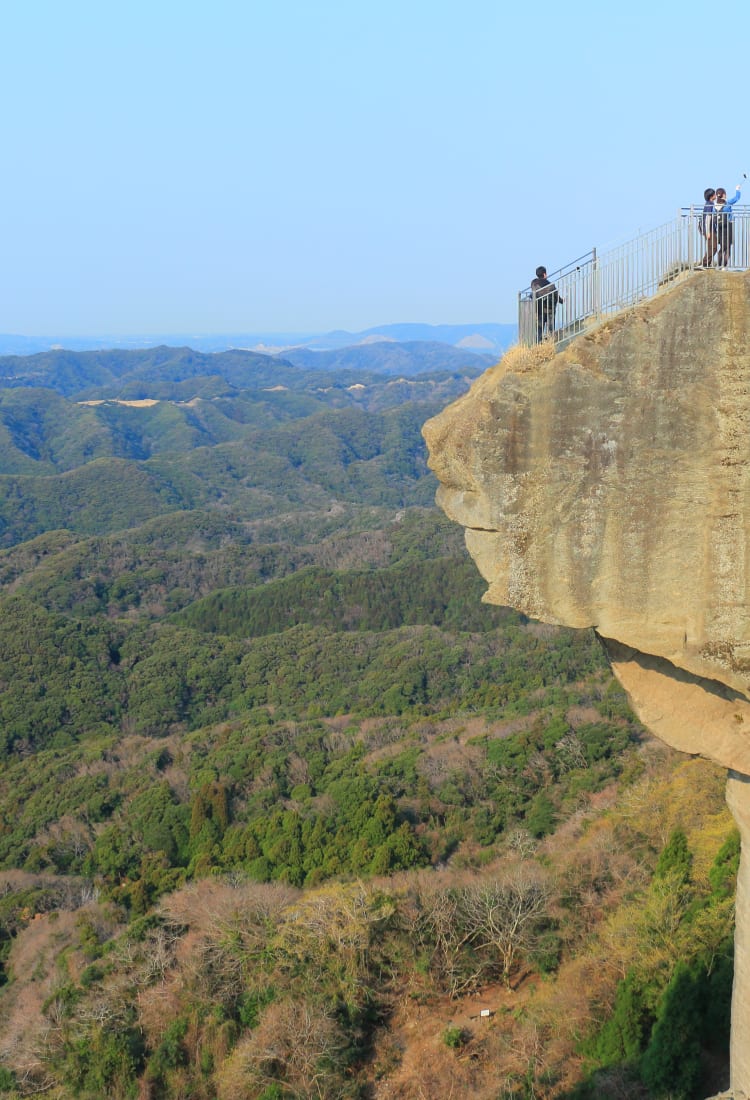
<point>392,357</point>
<point>484,337</point>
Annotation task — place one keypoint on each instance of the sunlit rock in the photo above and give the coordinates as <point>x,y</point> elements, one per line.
<point>608,486</point>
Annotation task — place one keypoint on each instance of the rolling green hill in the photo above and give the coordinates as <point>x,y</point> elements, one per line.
<point>71,372</point>
<point>165,459</point>
<point>95,373</point>
<point>41,433</point>
<point>157,436</point>
<point>443,591</point>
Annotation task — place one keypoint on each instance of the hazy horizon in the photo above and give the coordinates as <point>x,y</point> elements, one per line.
<point>284,168</point>
<point>24,344</point>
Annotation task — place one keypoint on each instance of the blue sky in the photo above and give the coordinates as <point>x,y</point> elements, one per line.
<point>301,166</point>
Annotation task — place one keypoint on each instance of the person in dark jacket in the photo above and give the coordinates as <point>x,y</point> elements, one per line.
<point>707,227</point>
<point>545,297</point>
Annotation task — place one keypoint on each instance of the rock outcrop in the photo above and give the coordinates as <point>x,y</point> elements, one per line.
<point>608,486</point>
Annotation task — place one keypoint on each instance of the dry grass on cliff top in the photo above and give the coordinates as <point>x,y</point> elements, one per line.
<point>521,360</point>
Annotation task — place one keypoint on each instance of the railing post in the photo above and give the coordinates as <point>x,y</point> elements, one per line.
<point>596,290</point>
<point>526,327</point>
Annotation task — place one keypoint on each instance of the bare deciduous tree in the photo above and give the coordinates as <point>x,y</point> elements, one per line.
<point>570,752</point>
<point>330,932</point>
<point>297,1045</point>
<point>522,843</point>
<point>503,915</point>
<point>443,931</point>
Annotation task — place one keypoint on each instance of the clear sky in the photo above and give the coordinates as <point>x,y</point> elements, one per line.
<point>301,165</point>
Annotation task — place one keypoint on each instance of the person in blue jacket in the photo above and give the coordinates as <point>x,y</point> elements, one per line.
<point>724,228</point>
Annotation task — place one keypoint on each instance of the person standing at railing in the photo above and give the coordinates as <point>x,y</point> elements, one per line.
<point>707,227</point>
<point>724,228</point>
<point>545,296</point>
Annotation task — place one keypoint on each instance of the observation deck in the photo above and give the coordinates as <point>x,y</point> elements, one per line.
<point>599,285</point>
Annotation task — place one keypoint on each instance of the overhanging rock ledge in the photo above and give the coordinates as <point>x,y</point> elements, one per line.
<point>608,486</point>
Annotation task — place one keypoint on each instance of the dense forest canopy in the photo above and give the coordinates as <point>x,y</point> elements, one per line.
<point>270,762</point>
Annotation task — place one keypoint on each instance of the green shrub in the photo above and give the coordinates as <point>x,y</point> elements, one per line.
<point>7,1080</point>
<point>454,1037</point>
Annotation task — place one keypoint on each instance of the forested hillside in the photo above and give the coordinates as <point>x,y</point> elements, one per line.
<point>283,804</point>
<point>70,373</point>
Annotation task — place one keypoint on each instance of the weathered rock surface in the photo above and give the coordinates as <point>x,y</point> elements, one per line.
<point>608,486</point>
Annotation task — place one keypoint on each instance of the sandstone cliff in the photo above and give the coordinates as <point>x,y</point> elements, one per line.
<point>608,486</point>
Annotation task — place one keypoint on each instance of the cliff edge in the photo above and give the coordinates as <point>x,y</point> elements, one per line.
<point>608,486</point>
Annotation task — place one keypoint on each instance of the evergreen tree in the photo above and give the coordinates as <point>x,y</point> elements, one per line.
<point>675,860</point>
<point>623,1037</point>
<point>670,1066</point>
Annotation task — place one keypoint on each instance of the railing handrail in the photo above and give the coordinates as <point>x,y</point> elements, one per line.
<point>597,284</point>
<point>556,276</point>
<point>697,208</point>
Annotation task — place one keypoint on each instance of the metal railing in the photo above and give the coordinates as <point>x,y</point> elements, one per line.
<point>598,285</point>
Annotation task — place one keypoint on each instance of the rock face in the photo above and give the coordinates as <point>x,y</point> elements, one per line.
<point>608,486</point>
